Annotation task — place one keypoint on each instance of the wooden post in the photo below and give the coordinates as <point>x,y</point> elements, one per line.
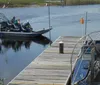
<point>49,18</point>
<point>61,47</point>
<point>65,1</point>
<point>86,24</point>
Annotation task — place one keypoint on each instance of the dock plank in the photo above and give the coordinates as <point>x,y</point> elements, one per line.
<point>50,67</point>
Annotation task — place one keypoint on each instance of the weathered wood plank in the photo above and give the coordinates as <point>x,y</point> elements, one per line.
<point>26,82</point>
<point>51,67</point>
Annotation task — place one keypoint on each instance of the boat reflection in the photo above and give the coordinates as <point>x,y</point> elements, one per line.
<point>17,43</point>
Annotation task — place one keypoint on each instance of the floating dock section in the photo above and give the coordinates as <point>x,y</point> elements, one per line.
<point>50,67</point>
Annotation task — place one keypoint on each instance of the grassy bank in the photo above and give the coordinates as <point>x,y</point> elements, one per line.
<point>81,2</point>
<point>20,3</point>
<point>15,3</point>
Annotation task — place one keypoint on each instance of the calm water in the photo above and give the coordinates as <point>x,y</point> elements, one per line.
<point>16,54</point>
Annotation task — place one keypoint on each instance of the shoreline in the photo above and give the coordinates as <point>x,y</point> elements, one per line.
<point>42,5</point>
<point>39,3</point>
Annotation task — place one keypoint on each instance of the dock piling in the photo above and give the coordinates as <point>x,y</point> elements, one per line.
<point>61,47</point>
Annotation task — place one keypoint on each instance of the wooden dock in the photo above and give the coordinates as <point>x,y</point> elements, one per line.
<point>50,67</point>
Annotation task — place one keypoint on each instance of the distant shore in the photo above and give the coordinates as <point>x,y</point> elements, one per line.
<point>36,3</point>
<point>21,3</point>
<point>27,5</point>
<point>18,5</point>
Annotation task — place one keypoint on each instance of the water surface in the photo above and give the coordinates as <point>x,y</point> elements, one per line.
<point>17,54</point>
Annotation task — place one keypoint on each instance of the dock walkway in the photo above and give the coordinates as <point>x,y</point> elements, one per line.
<point>50,67</point>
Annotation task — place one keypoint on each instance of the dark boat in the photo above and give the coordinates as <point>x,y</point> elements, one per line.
<point>23,34</point>
<point>9,29</point>
<point>87,68</point>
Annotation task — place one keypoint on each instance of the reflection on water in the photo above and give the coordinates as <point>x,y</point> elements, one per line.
<point>17,53</point>
<point>17,43</point>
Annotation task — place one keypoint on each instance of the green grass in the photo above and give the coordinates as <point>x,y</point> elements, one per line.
<point>82,2</point>
<point>26,1</point>
<point>22,2</point>
<point>16,3</point>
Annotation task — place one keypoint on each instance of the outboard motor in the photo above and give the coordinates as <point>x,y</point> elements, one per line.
<point>27,27</point>
<point>97,49</point>
<point>95,63</point>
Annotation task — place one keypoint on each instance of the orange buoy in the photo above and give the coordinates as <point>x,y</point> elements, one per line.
<point>82,20</point>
